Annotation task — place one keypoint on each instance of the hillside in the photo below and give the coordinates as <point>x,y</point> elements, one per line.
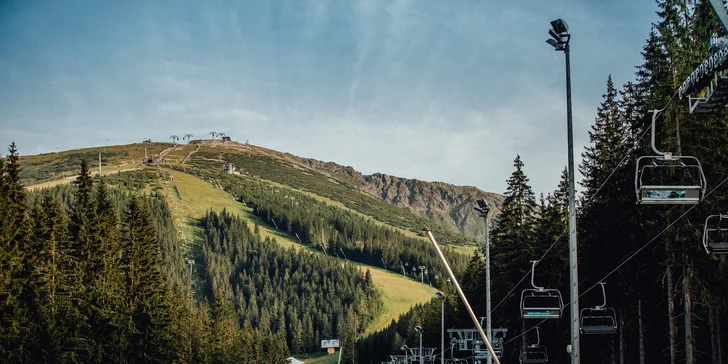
<point>398,202</point>
<point>444,203</point>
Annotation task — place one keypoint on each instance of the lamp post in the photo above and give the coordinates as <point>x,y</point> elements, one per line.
<point>419,330</point>
<point>560,41</point>
<point>481,206</point>
<point>404,348</point>
<point>441,296</point>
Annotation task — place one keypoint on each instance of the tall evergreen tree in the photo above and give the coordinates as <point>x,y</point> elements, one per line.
<point>148,333</point>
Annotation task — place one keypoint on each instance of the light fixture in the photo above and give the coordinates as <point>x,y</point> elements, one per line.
<point>560,26</point>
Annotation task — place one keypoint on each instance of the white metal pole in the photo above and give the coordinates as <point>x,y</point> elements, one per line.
<point>487,285</point>
<point>462,295</point>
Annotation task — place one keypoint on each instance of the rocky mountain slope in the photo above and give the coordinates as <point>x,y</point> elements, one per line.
<point>443,202</point>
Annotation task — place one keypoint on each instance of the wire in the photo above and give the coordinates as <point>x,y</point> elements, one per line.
<point>582,208</point>
<point>628,258</point>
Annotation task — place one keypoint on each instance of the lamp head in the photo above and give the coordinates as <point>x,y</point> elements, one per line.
<point>403,347</point>
<point>418,328</point>
<point>482,207</point>
<point>439,295</point>
<point>559,26</point>
<point>552,43</point>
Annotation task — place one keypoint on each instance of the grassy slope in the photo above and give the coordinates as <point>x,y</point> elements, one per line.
<point>398,293</point>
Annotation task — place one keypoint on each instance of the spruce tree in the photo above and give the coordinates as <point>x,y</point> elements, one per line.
<point>513,239</point>
<point>148,333</point>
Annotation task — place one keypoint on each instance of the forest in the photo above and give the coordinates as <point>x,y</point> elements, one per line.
<point>670,297</point>
<point>95,272</point>
<point>336,231</point>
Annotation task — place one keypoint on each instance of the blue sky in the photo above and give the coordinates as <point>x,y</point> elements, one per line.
<point>436,90</point>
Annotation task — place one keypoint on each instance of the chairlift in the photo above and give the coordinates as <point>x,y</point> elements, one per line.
<point>599,319</point>
<point>715,235</point>
<point>539,302</point>
<point>534,353</point>
<point>687,189</point>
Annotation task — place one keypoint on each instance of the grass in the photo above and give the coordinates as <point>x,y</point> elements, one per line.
<point>54,166</point>
<point>399,293</point>
<point>323,358</point>
<point>199,197</point>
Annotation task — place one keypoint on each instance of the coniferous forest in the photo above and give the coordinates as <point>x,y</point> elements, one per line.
<point>670,297</point>
<point>95,271</point>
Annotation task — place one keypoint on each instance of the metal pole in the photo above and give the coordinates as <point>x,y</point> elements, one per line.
<point>462,295</point>
<point>422,358</point>
<point>574,276</point>
<point>487,285</point>
<point>442,332</point>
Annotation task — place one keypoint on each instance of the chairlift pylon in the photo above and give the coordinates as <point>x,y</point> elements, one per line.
<point>715,236</point>
<point>599,319</point>
<point>539,302</point>
<point>668,194</point>
<point>534,353</point>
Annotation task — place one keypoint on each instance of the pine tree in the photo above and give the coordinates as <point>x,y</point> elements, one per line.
<point>148,333</point>
<point>513,238</point>
<point>16,344</point>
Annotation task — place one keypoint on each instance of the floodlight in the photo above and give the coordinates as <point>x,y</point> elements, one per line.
<point>481,206</point>
<point>439,295</point>
<point>560,26</point>
<point>553,34</point>
<point>552,43</point>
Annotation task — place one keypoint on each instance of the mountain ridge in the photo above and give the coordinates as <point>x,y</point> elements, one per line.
<point>443,202</point>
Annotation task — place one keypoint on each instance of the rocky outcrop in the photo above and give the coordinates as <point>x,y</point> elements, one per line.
<point>447,204</point>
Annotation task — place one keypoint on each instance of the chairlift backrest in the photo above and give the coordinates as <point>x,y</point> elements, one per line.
<point>599,319</point>
<point>674,193</point>
<point>660,193</point>
<point>534,353</point>
<point>715,235</point>
<point>539,302</point>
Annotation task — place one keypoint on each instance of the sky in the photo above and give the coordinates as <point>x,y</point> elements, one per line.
<point>440,90</point>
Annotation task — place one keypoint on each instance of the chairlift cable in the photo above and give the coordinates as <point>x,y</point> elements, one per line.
<point>630,257</point>
<point>583,207</point>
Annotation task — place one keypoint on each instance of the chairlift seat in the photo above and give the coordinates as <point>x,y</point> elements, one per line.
<point>541,304</point>
<point>599,321</point>
<point>534,354</point>
<point>718,248</point>
<point>715,235</point>
<point>665,194</point>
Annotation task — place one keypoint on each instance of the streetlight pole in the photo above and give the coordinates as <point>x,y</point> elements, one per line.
<point>419,330</point>
<point>560,42</point>
<point>441,296</point>
<point>404,348</point>
<point>483,209</point>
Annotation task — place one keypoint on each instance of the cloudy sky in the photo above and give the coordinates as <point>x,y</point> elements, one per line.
<point>436,90</point>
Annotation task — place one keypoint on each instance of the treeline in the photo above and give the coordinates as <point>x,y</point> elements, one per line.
<point>669,295</point>
<point>86,284</point>
<point>302,296</point>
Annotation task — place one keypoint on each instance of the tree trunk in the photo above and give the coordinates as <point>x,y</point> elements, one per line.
<point>641,332</point>
<point>713,335</point>
<point>714,323</point>
<point>687,294</point>
<point>672,327</point>
<point>622,348</point>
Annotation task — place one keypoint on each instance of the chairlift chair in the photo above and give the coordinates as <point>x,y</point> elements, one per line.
<point>534,353</point>
<point>657,193</point>
<point>599,319</point>
<point>539,302</point>
<point>715,236</point>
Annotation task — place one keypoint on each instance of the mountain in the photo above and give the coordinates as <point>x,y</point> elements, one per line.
<point>444,203</point>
